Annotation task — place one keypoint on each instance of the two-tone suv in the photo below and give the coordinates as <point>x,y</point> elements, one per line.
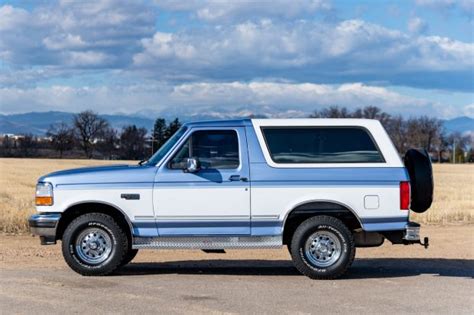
<point>322,187</point>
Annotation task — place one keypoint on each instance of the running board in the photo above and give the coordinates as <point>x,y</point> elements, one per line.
<point>207,242</point>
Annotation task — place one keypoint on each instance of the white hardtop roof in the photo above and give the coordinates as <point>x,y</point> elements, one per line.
<point>317,122</point>
<point>389,152</point>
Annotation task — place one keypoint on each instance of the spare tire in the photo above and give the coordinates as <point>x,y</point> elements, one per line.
<point>418,165</point>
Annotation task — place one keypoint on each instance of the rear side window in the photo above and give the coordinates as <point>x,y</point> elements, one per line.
<point>215,149</point>
<point>321,145</point>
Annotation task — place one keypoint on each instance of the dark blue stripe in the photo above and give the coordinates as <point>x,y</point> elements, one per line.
<point>253,224</point>
<point>186,224</point>
<point>190,224</point>
<point>144,225</point>
<point>384,220</point>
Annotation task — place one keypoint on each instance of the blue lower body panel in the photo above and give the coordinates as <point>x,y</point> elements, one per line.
<point>384,224</point>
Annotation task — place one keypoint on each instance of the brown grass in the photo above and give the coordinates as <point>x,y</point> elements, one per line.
<point>18,180</point>
<point>454,191</point>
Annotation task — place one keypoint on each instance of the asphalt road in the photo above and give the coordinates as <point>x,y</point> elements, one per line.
<point>373,286</point>
<point>406,280</point>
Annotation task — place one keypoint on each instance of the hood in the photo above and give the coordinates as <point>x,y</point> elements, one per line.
<point>102,174</point>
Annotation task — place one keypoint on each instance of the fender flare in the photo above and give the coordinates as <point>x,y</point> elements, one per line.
<point>346,207</point>
<point>102,203</point>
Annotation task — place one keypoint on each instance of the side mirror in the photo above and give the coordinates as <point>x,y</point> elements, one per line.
<point>192,165</point>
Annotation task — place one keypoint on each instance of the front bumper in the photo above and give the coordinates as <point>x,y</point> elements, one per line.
<point>45,226</point>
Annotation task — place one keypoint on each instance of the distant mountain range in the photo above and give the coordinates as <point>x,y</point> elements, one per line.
<point>459,124</point>
<point>38,122</point>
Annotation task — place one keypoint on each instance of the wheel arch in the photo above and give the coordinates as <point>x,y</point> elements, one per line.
<point>83,207</point>
<point>309,208</point>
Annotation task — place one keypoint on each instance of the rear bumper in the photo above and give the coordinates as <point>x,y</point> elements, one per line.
<point>412,232</point>
<point>45,226</point>
<point>409,235</point>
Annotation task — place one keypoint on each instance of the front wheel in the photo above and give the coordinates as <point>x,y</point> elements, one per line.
<point>322,247</point>
<point>94,244</point>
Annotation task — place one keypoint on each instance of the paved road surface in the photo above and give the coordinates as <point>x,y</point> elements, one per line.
<point>421,282</point>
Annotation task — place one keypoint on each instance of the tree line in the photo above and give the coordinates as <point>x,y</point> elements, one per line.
<point>91,136</point>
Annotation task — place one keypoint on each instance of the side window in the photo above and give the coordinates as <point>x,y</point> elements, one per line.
<point>321,145</point>
<point>215,149</point>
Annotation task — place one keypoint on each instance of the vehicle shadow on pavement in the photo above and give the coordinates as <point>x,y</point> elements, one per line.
<point>361,269</point>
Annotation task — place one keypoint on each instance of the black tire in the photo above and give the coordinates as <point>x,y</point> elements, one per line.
<point>129,256</point>
<point>418,165</point>
<point>104,225</point>
<point>329,226</point>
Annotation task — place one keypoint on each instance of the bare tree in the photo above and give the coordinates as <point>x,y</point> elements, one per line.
<point>7,145</point>
<point>372,112</point>
<point>332,112</point>
<point>62,138</point>
<point>28,145</point>
<point>397,129</point>
<point>424,132</point>
<point>89,127</point>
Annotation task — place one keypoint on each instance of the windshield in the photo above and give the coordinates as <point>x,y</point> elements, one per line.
<point>167,146</point>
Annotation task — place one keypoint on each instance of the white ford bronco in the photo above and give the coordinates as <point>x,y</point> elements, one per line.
<point>322,187</point>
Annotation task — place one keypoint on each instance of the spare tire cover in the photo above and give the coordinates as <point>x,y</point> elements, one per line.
<point>418,165</point>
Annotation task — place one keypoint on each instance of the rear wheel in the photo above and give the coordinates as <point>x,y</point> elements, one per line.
<point>322,247</point>
<point>94,244</point>
<point>129,256</point>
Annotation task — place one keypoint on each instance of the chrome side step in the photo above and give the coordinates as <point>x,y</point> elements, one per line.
<point>207,242</point>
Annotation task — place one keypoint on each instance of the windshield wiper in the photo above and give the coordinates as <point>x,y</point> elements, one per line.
<point>142,162</point>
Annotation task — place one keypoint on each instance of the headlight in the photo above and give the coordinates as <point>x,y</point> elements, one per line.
<point>44,194</point>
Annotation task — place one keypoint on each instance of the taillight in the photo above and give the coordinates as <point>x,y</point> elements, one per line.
<point>404,195</point>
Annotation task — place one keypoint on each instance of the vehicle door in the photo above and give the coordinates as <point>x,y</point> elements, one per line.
<point>214,200</point>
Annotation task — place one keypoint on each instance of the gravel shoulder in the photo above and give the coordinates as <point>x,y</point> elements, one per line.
<point>399,278</point>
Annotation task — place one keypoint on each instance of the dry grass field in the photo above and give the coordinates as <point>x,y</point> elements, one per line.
<point>454,191</point>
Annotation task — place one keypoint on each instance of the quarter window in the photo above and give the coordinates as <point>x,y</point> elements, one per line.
<point>321,145</point>
<point>215,149</point>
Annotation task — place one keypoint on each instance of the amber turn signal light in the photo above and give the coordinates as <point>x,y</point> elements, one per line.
<point>44,201</point>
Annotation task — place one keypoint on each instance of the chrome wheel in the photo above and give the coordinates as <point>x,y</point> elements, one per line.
<point>323,249</point>
<point>93,246</point>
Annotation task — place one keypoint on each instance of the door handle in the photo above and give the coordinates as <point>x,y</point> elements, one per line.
<point>235,178</point>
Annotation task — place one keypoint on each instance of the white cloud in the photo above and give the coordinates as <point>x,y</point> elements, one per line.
<point>210,62</point>
<point>238,98</point>
<point>417,25</point>
<point>469,110</point>
<point>308,51</point>
<point>82,31</point>
<point>77,36</point>
<point>63,41</point>
<point>225,11</point>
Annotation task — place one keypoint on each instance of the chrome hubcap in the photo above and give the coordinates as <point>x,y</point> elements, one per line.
<point>323,249</point>
<point>93,246</point>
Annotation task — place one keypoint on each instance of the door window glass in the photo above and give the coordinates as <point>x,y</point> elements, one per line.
<point>215,149</point>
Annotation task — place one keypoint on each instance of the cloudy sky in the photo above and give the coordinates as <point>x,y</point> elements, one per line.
<point>279,57</point>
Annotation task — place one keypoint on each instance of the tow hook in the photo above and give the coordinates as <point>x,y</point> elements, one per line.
<point>426,242</point>
<point>412,235</point>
